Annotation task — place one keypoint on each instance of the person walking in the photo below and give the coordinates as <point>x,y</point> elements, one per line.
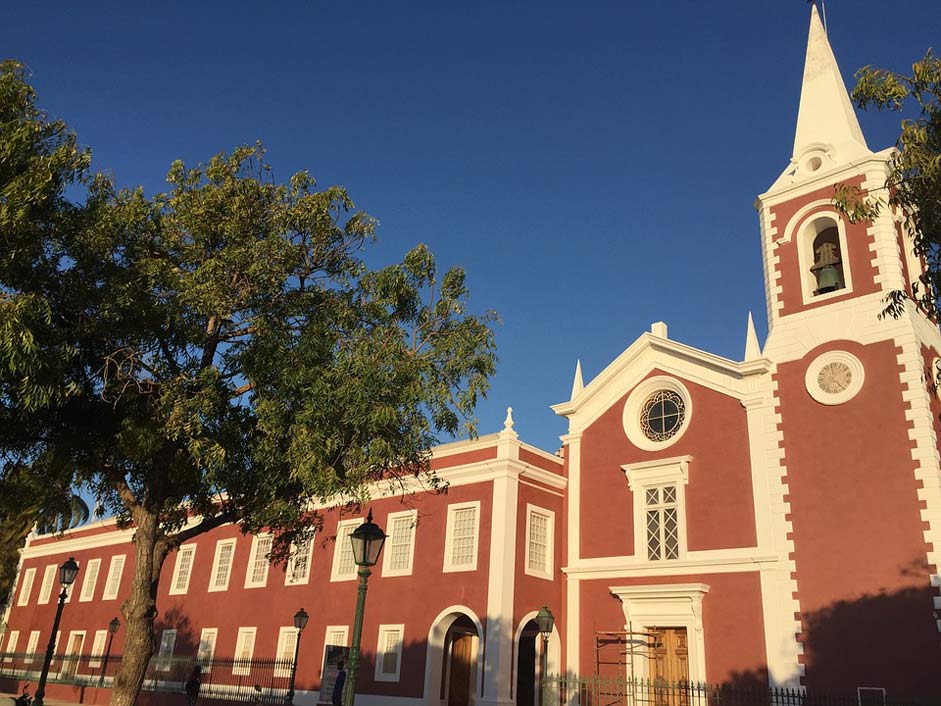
<point>193,684</point>
<point>339,684</point>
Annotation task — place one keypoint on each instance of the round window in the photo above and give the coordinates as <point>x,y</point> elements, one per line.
<point>662,415</point>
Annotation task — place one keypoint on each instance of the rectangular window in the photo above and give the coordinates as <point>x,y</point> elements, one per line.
<point>540,525</point>
<point>336,635</point>
<point>207,648</point>
<point>460,546</point>
<point>298,568</point>
<point>389,652</point>
<point>27,586</point>
<point>257,574</point>
<point>287,642</point>
<point>12,639</point>
<point>344,568</point>
<point>165,653</point>
<point>90,581</point>
<point>400,546</point>
<point>31,646</point>
<point>244,650</point>
<point>182,570</point>
<point>48,581</point>
<point>662,519</point>
<point>97,648</point>
<point>115,572</point>
<point>222,565</point>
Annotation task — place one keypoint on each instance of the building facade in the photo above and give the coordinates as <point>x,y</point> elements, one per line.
<point>772,520</point>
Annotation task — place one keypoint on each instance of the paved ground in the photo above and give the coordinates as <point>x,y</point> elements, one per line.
<point>5,700</point>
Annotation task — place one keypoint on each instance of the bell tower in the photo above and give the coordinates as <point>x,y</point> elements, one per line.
<point>857,419</point>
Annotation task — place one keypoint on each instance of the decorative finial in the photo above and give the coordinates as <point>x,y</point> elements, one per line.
<point>369,516</point>
<point>752,347</point>
<point>508,422</point>
<point>577,384</point>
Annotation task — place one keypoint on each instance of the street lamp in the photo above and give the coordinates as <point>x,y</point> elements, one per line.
<point>67,573</point>
<point>300,622</point>
<point>112,629</point>
<point>367,541</point>
<point>544,621</point>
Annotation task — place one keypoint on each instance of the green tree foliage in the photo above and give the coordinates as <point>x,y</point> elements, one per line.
<point>214,353</point>
<point>913,188</point>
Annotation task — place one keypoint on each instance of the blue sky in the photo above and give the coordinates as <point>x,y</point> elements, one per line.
<point>591,165</point>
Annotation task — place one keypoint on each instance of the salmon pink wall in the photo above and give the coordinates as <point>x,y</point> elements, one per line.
<point>733,624</point>
<point>859,547</point>
<point>719,504</point>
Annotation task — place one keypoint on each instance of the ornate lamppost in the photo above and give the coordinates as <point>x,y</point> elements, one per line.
<point>112,629</point>
<point>544,621</point>
<point>300,622</point>
<point>367,541</point>
<point>67,573</point>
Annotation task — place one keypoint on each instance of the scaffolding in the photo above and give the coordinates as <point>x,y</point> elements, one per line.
<point>626,645</point>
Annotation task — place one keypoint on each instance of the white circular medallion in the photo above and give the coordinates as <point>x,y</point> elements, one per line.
<point>834,377</point>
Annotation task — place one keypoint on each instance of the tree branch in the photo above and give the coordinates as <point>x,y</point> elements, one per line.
<point>205,525</point>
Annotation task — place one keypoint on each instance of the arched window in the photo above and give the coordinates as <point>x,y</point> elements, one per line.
<point>828,261</point>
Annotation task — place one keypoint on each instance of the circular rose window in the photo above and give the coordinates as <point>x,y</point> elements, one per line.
<point>662,415</point>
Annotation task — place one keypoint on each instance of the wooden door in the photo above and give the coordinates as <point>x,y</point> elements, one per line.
<point>462,654</point>
<point>669,667</point>
<point>72,655</point>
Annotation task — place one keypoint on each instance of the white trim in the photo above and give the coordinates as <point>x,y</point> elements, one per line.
<point>553,657</point>
<point>384,630</point>
<point>97,649</point>
<point>253,558</point>
<point>185,550</point>
<point>630,417</point>
<point>115,574</point>
<point>238,669</point>
<point>548,571</point>
<point>48,584</point>
<point>31,645</point>
<point>291,578</point>
<point>667,605</point>
<point>345,629</point>
<point>9,648</point>
<point>642,476</point>
<point>857,377</point>
<point>163,660</point>
<point>90,581</point>
<point>809,230</point>
<point>214,584</point>
<point>26,587</point>
<point>449,565</point>
<point>412,517</point>
<point>206,648</point>
<point>344,530</point>
<point>713,561</point>
<point>70,658</point>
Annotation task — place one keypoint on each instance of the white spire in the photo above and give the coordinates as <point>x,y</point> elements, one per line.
<point>826,116</point>
<point>508,422</point>
<point>577,384</point>
<point>752,347</point>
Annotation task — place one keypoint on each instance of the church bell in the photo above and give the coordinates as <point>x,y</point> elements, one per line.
<point>827,269</point>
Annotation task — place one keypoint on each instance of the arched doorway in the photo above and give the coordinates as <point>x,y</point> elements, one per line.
<point>526,665</point>
<point>455,658</point>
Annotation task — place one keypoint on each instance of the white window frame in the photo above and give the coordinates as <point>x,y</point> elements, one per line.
<point>205,656</point>
<point>115,575</point>
<point>238,669</point>
<point>252,557</point>
<point>186,549</point>
<point>380,652</point>
<point>283,634</point>
<point>10,649</point>
<point>164,657</point>
<point>26,586</point>
<point>290,579</point>
<point>650,474</point>
<point>449,566</point>
<point>31,646</point>
<point>90,581</point>
<point>215,566</point>
<point>549,516</point>
<point>343,537</point>
<point>48,584</point>
<point>812,226</point>
<point>345,629</point>
<point>412,517</point>
<point>67,658</point>
<point>97,649</point>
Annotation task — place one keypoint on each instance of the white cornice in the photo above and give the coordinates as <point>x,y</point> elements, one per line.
<point>719,561</point>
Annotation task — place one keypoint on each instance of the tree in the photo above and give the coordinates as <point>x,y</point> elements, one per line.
<point>913,187</point>
<point>218,352</point>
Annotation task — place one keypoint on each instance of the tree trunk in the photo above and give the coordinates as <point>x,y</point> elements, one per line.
<point>140,609</point>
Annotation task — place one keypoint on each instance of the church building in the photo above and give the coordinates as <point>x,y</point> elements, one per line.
<point>773,521</point>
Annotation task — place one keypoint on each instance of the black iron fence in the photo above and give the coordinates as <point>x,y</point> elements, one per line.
<point>252,681</point>
<point>567,690</point>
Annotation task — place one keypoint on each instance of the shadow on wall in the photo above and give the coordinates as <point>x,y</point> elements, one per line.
<point>187,641</point>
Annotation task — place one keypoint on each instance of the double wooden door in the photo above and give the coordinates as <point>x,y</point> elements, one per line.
<point>669,667</point>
